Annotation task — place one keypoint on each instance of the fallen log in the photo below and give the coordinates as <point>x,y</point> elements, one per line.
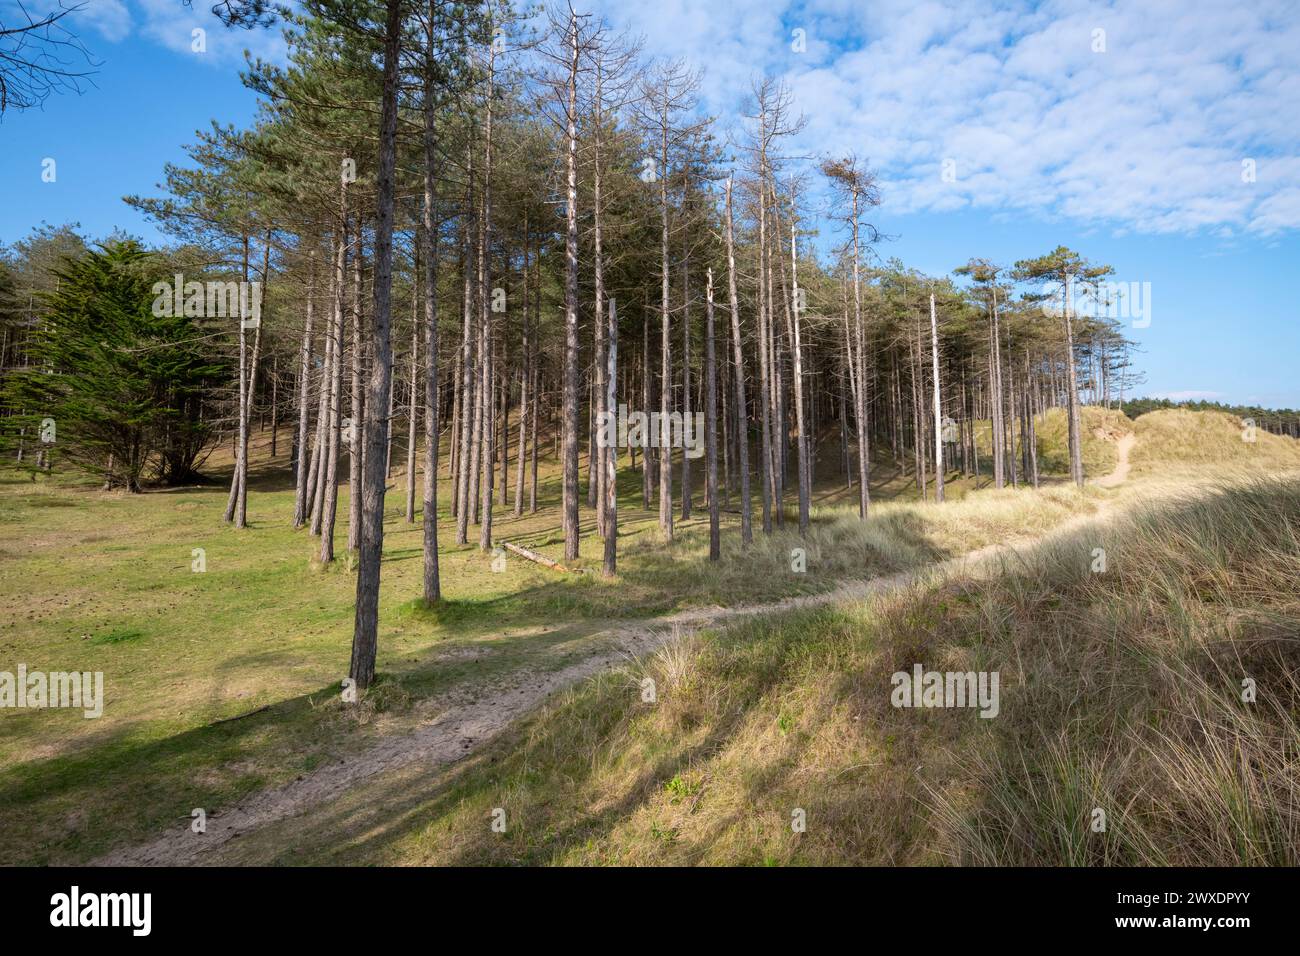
<point>541,559</point>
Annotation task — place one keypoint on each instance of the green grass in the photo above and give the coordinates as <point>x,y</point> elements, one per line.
<point>224,682</point>
<point>1099,454</point>
<point>1120,691</point>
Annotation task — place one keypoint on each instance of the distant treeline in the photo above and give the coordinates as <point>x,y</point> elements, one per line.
<point>1279,421</point>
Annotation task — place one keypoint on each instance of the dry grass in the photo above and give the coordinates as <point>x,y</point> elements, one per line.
<point>1100,427</point>
<point>1179,440</point>
<point>1121,691</point>
<point>103,582</point>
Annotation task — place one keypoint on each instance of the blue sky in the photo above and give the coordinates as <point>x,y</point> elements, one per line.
<point>1125,144</point>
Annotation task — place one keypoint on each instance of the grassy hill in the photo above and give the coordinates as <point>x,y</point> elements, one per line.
<point>1100,427</point>
<point>1179,439</point>
<point>1121,691</point>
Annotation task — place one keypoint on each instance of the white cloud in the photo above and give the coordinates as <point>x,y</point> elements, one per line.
<point>1148,136</point>
<point>110,18</point>
<point>172,24</point>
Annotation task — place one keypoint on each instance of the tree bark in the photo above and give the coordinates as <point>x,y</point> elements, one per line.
<point>570,479</point>
<point>365,635</point>
<point>432,578</point>
<point>357,448</point>
<point>610,482</point>
<point>742,432</point>
<point>711,420</point>
<point>329,504</point>
<point>412,413</point>
<point>801,424</point>
<point>938,405</point>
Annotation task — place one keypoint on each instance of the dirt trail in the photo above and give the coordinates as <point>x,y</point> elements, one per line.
<point>473,716</point>
<point>1120,474</point>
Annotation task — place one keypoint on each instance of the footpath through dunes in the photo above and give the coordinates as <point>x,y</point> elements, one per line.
<point>449,718</point>
<point>223,685</point>
<point>1123,447</point>
<point>1121,690</point>
<point>469,718</point>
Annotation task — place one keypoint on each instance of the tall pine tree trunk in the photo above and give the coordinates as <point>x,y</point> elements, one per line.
<point>711,420</point>
<point>742,431</point>
<point>357,447</point>
<point>610,481</point>
<point>412,408</point>
<point>330,495</point>
<point>365,635</point>
<point>570,453</point>
<point>304,410</point>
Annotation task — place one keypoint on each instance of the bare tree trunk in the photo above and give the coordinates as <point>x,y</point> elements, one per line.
<point>453,441</point>
<point>316,492</point>
<point>1031,436</point>
<point>687,421</point>
<point>764,374</point>
<point>503,442</point>
<point>711,420</point>
<point>275,402</point>
<point>742,432</point>
<point>801,424</point>
<point>329,506</point>
<point>595,479</point>
<point>469,408</point>
<point>525,377</point>
<point>241,516</point>
<point>357,449</point>
<point>412,413</point>
<point>432,582</point>
<point>997,424</point>
<point>860,394</point>
<point>610,482</point>
<point>532,437</point>
<point>487,457</point>
<point>1076,445</point>
<point>727,428</point>
<point>918,453</point>
<point>570,482</point>
<point>535,386</point>
<point>646,457</point>
<point>233,511</point>
<point>485,317</point>
<point>665,350</point>
<point>304,411</point>
<point>365,636</point>
<point>938,405</point>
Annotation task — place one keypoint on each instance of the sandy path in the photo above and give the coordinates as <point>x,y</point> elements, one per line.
<point>473,716</point>
<point>1120,474</point>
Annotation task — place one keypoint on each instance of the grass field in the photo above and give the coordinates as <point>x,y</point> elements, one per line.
<point>1121,693</point>
<point>223,683</point>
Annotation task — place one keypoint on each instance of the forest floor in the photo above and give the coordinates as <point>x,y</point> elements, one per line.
<point>471,715</point>
<point>222,686</point>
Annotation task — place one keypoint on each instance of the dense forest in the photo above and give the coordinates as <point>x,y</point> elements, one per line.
<point>449,239</point>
